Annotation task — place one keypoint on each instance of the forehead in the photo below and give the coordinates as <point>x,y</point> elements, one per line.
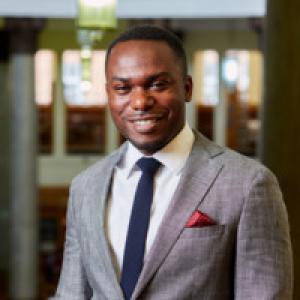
<point>141,55</point>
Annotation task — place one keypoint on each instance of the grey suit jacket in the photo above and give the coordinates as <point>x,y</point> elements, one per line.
<point>246,255</point>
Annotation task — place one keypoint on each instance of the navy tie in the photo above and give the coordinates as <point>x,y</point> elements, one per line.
<point>138,226</point>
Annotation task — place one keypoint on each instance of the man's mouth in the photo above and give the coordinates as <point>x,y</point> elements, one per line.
<point>146,124</point>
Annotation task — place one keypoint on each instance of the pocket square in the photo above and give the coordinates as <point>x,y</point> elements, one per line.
<point>199,219</point>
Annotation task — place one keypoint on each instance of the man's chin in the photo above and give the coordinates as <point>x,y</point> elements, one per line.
<point>149,148</point>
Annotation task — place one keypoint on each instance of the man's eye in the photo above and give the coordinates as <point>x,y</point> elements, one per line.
<point>159,85</point>
<point>121,88</point>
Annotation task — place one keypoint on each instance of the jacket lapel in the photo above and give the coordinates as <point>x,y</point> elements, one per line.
<point>98,190</point>
<point>198,176</point>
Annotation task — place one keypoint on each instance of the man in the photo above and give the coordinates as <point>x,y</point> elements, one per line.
<point>217,227</point>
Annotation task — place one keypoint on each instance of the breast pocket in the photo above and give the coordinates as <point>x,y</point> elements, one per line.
<point>202,232</point>
<point>197,250</point>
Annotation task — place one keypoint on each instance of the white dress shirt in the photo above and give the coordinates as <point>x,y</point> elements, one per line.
<point>125,179</point>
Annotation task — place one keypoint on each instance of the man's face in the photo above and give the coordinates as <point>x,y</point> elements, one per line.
<point>147,92</point>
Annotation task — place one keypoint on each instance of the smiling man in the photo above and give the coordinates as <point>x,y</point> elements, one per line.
<point>147,90</point>
<point>170,215</point>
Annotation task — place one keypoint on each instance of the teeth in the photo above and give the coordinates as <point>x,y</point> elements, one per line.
<point>144,122</point>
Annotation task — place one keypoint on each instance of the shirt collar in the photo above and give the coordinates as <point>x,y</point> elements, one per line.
<point>173,155</point>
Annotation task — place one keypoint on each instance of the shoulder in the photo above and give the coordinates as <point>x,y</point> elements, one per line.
<point>238,162</point>
<point>241,183</point>
<point>235,166</point>
<point>96,172</point>
<point>249,172</point>
<point>92,181</point>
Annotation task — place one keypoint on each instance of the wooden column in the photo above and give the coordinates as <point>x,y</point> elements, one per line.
<point>280,139</point>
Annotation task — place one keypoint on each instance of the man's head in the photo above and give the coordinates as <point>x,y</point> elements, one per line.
<point>147,86</point>
<point>152,33</point>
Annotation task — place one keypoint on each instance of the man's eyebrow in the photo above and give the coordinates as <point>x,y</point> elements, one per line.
<point>115,78</point>
<point>155,76</point>
<point>151,77</point>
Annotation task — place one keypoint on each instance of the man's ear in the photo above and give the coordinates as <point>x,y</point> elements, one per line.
<point>188,86</point>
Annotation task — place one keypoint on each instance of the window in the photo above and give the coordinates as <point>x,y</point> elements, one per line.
<point>206,88</point>
<point>242,75</point>
<point>206,65</point>
<point>44,83</point>
<point>85,102</point>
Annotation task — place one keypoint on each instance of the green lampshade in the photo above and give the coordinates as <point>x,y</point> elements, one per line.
<point>97,14</point>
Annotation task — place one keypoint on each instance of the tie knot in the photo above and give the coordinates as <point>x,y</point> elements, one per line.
<point>148,165</point>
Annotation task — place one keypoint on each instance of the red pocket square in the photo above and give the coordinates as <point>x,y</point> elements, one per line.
<point>199,219</point>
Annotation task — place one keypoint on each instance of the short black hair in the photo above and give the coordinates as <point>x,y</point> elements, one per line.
<point>154,33</point>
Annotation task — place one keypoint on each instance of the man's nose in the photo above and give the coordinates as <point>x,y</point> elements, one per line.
<point>141,99</point>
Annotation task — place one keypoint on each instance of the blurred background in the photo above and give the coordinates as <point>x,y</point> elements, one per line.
<point>54,122</point>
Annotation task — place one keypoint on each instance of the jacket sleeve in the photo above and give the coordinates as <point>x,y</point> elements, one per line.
<point>263,268</point>
<point>73,283</point>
